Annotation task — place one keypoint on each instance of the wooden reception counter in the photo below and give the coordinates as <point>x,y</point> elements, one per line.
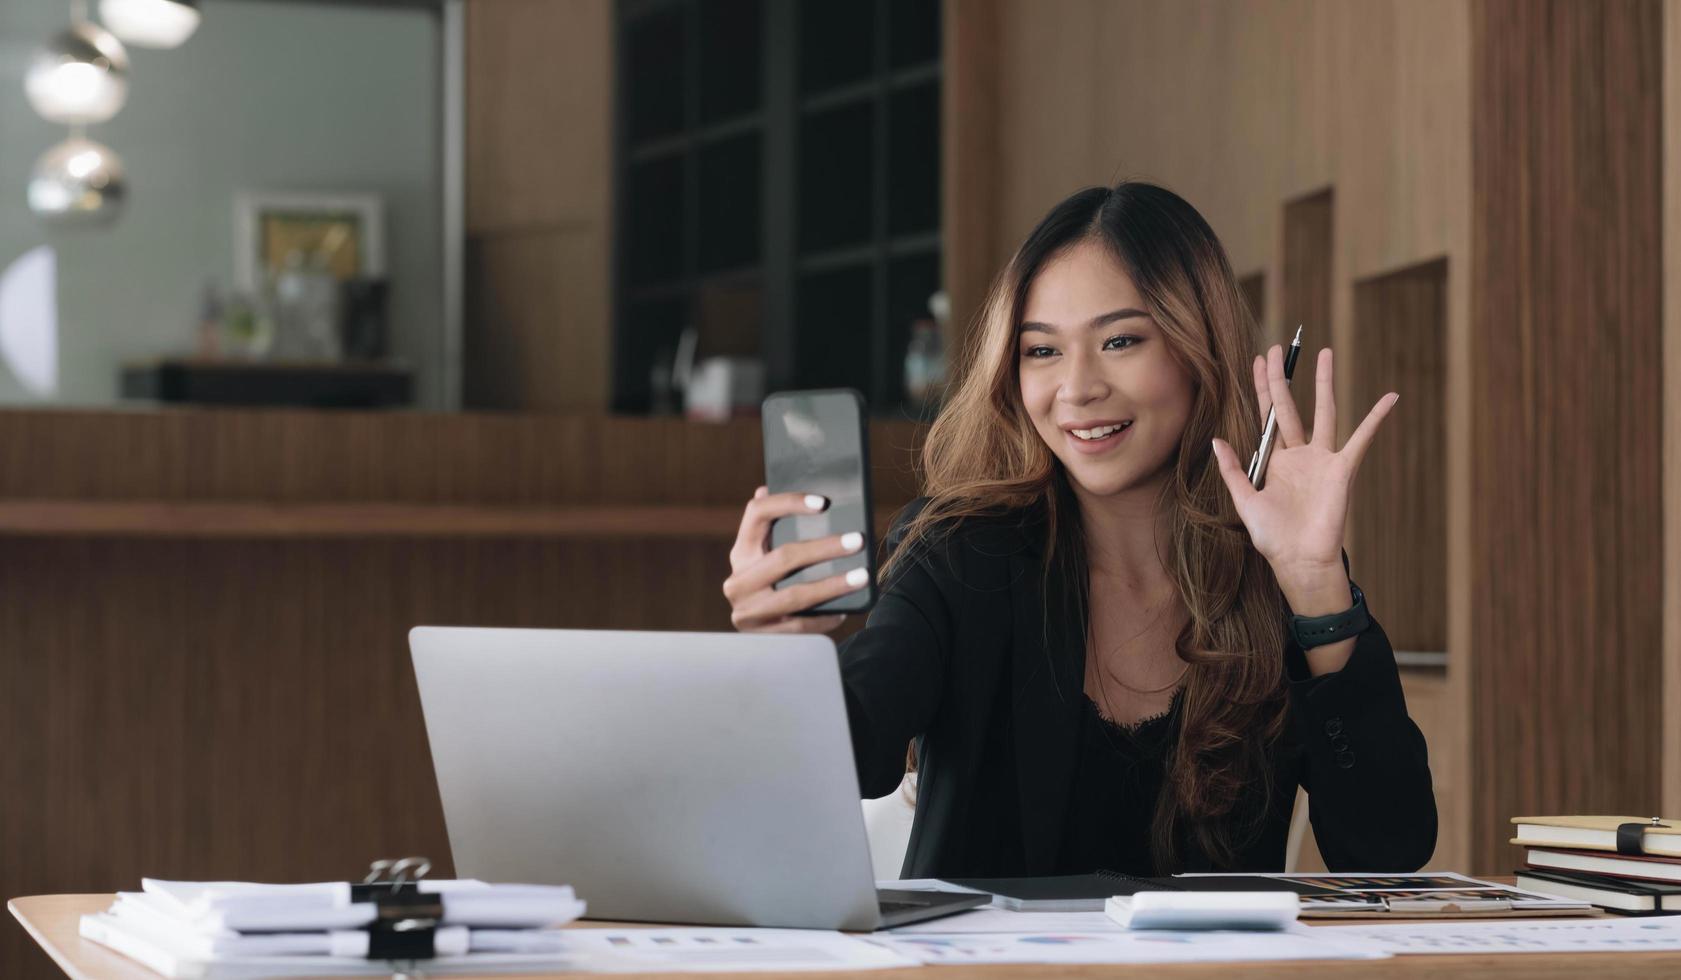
<point>203,615</point>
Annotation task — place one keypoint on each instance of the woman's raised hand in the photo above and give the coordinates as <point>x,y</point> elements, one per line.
<point>1296,519</point>
<point>756,605</point>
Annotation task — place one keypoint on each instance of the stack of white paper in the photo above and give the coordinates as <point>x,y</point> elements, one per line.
<point>243,929</point>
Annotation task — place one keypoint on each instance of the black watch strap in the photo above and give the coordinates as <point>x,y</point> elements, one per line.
<point>1317,631</point>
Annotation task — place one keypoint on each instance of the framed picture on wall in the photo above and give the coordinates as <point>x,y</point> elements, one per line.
<point>347,231</point>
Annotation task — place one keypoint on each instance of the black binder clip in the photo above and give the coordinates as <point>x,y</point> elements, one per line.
<point>406,928</point>
<point>387,877</point>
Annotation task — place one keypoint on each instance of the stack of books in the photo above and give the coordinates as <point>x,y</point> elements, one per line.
<point>1624,864</point>
<point>242,930</point>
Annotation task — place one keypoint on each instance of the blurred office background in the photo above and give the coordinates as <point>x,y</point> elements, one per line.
<point>454,311</point>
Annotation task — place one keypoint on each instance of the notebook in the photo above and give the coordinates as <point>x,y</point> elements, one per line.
<point>1619,894</point>
<point>1597,833</point>
<point>1640,866</point>
<point>1088,893</point>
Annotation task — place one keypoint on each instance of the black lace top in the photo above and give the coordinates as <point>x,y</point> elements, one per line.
<point>1119,773</point>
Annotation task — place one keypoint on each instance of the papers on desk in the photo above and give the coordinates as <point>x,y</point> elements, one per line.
<point>242,929</point>
<point>251,907</point>
<point>1437,894</point>
<point>1645,934</point>
<point>640,949</point>
<point>168,958</point>
<point>1427,895</point>
<point>1005,920</point>
<point>995,935</point>
<point>1297,943</point>
<point>650,949</point>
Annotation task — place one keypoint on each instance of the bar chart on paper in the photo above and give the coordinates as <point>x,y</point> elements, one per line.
<point>710,950</point>
<point>1654,934</point>
<point>1129,947</point>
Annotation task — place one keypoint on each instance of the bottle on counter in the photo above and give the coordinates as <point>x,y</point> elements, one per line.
<point>247,327</point>
<point>925,364</point>
<point>210,311</point>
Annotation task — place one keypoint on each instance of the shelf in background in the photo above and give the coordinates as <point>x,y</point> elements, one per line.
<point>254,519</point>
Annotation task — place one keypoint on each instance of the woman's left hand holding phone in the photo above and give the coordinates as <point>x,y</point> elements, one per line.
<point>756,604</point>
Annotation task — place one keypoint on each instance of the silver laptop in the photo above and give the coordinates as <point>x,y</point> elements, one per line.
<point>669,777</point>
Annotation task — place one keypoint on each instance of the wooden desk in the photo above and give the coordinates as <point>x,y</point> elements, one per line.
<point>51,921</point>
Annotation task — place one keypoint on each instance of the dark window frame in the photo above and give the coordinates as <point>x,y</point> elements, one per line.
<point>780,264</point>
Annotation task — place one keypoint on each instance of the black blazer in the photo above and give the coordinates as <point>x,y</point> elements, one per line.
<point>959,654</point>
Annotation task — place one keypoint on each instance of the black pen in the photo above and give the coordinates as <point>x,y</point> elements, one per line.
<point>1258,462</point>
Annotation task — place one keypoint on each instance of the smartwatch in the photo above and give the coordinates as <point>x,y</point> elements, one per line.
<point>1317,631</point>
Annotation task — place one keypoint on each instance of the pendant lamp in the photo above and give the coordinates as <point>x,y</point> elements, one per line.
<point>80,77</point>
<point>78,183</point>
<point>151,23</point>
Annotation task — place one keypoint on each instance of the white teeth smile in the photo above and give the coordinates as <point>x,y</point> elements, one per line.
<point>1099,432</point>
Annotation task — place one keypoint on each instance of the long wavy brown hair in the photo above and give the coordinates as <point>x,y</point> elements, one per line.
<point>983,457</point>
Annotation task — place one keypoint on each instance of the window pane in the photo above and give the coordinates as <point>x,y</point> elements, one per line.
<point>837,43</point>
<point>832,345</point>
<point>729,203</point>
<point>731,58</point>
<point>651,328</point>
<point>836,198</point>
<point>654,221</point>
<point>913,167</point>
<point>913,32</point>
<point>655,62</point>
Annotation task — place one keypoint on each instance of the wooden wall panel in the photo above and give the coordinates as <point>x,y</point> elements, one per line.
<point>539,113</point>
<point>1398,521</point>
<point>1672,410</point>
<point>491,459</point>
<point>539,321</point>
<point>1254,288</point>
<point>1305,295</point>
<point>1309,252</point>
<point>539,104</point>
<point>969,162</point>
<point>1567,412</point>
<point>1269,101</point>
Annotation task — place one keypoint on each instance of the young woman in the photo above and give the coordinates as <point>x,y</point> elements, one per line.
<point>1109,649</point>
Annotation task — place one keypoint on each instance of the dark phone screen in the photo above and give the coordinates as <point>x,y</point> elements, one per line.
<point>814,443</point>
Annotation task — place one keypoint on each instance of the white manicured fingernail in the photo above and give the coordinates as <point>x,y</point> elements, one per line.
<point>815,502</point>
<point>852,541</point>
<point>857,577</point>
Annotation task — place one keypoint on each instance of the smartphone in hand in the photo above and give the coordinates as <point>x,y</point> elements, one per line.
<point>818,442</point>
